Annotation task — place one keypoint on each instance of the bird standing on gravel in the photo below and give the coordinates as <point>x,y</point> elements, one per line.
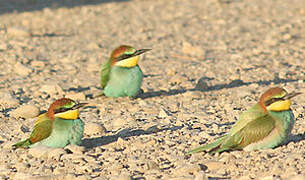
<point>266,125</point>
<point>58,127</point>
<point>121,74</point>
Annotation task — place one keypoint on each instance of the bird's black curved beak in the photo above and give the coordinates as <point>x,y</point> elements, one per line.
<point>292,94</point>
<point>79,105</point>
<point>140,51</point>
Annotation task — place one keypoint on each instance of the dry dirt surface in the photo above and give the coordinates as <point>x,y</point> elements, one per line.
<point>211,60</point>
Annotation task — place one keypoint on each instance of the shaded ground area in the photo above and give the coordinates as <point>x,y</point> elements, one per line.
<point>34,5</point>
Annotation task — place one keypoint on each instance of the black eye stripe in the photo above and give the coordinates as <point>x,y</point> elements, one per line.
<point>60,110</point>
<point>124,56</point>
<point>270,101</point>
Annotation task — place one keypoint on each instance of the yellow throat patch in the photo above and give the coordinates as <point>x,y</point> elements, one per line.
<point>280,106</point>
<point>71,114</point>
<point>130,62</point>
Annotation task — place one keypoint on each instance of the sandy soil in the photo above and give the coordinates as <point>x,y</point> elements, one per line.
<point>210,61</point>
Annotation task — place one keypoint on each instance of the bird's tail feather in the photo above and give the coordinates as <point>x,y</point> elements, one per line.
<point>24,144</point>
<point>212,147</point>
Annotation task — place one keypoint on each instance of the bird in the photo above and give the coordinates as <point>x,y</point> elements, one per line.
<point>57,127</point>
<point>265,125</point>
<point>121,75</point>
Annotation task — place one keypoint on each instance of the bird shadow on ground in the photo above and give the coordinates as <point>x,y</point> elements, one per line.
<point>219,124</point>
<point>34,5</point>
<point>202,86</point>
<point>125,133</point>
<point>79,89</point>
<point>296,138</point>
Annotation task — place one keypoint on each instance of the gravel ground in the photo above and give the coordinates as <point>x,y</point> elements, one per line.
<point>210,61</point>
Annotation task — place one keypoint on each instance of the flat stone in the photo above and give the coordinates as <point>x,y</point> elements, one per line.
<point>25,111</point>
<point>56,153</point>
<point>51,89</point>
<point>23,176</point>
<point>297,177</point>
<point>123,176</point>
<point>184,169</point>
<point>76,149</point>
<point>22,70</point>
<point>39,152</point>
<point>163,113</point>
<point>7,99</point>
<point>94,129</point>
<point>192,50</point>
<point>200,176</point>
<point>17,32</point>
<point>76,96</point>
<point>213,165</point>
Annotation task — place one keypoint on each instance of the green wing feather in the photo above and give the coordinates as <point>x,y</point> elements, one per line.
<point>42,129</point>
<point>251,114</point>
<point>105,73</point>
<point>253,126</point>
<point>256,130</point>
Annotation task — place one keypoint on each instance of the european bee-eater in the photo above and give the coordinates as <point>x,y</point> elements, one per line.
<point>58,127</point>
<point>121,74</point>
<point>266,125</point>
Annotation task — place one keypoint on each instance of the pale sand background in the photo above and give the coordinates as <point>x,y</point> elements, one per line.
<point>231,51</point>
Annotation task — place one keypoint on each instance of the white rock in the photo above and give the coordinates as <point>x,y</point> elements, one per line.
<point>17,32</point>
<point>55,153</point>
<point>213,165</point>
<point>94,129</point>
<point>22,70</point>
<point>123,176</point>
<point>51,89</point>
<point>39,151</point>
<point>38,64</point>
<point>117,123</point>
<point>7,145</point>
<point>121,143</point>
<point>152,165</point>
<point>200,176</point>
<point>76,96</point>
<point>65,60</point>
<point>25,111</point>
<point>59,177</point>
<point>268,178</point>
<point>93,46</point>
<point>102,178</point>
<point>83,177</point>
<point>7,99</point>
<point>75,158</point>
<point>192,50</point>
<point>3,46</point>
<point>184,169</point>
<point>76,149</point>
<point>22,176</point>
<point>297,177</point>
<point>183,177</point>
<point>162,113</point>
